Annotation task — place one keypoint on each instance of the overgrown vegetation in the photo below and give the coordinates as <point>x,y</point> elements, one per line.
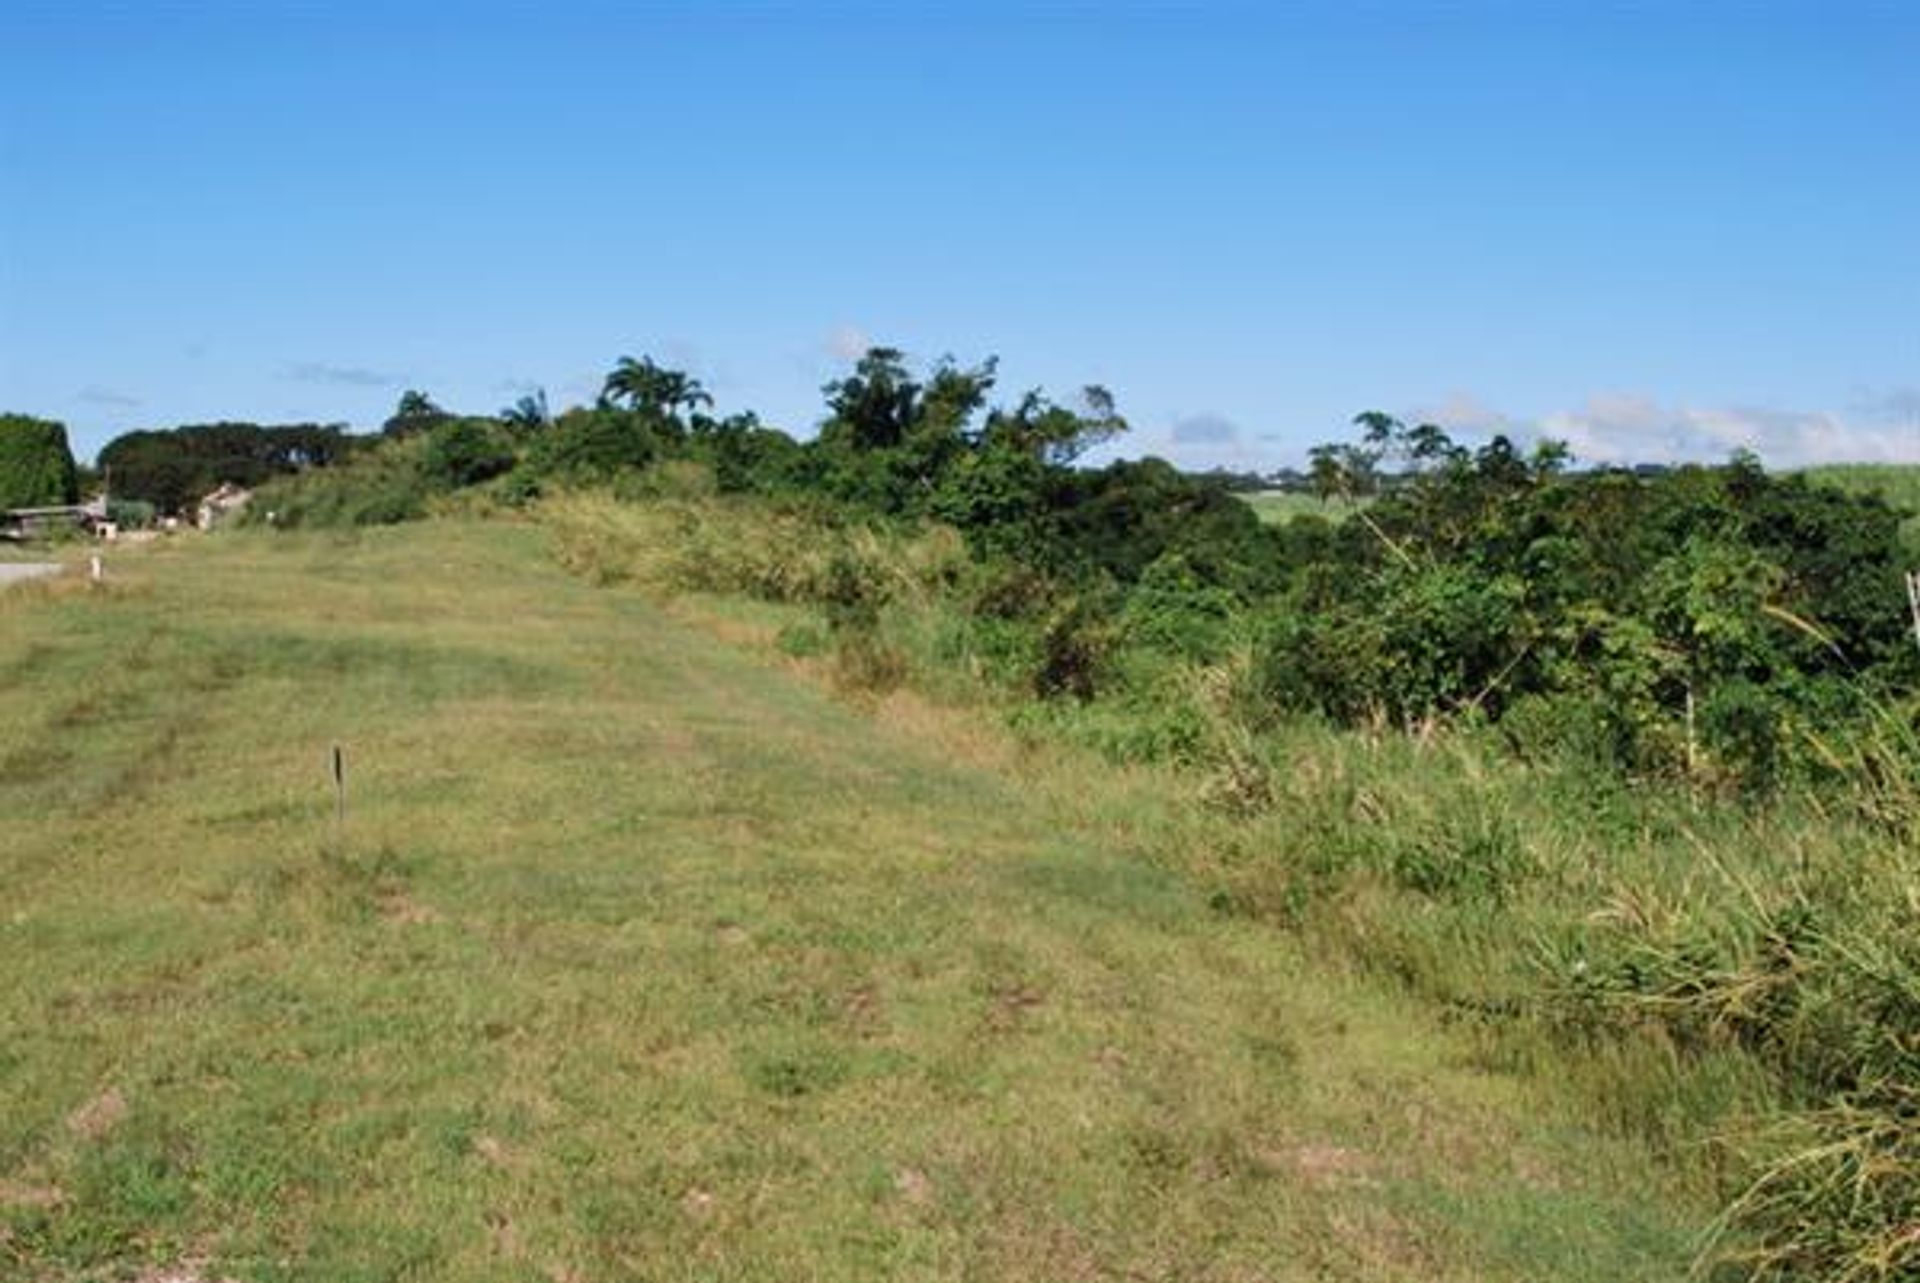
<point>1621,767</point>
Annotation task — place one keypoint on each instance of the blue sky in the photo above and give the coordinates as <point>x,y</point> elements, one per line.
<point>1657,231</point>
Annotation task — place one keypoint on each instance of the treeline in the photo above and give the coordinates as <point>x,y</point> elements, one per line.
<point>1713,623</point>
<point>172,468</point>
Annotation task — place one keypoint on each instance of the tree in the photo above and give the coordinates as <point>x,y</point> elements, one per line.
<point>174,467</point>
<point>36,465</point>
<point>529,414</point>
<point>1338,471</point>
<point>873,408</point>
<point>1054,434</point>
<point>653,388</point>
<point>416,412</point>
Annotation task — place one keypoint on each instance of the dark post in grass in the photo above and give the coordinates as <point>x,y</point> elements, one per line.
<point>339,788</point>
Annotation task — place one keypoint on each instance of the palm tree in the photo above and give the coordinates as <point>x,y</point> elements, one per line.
<point>643,385</point>
<point>529,413</point>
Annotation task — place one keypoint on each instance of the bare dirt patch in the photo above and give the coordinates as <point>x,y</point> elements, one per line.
<point>24,1195</point>
<point>98,1116</point>
<point>399,909</point>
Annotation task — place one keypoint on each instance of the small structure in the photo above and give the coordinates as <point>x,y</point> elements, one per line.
<point>43,523</point>
<point>217,507</point>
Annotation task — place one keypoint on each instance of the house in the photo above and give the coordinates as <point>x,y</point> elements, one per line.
<point>215,508</point>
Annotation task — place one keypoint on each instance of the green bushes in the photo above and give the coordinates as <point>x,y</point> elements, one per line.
<point>36,466</point>
<point>131,514</point>
<point>595,445</point>
<point>465,452</point>
<point>379,487</point>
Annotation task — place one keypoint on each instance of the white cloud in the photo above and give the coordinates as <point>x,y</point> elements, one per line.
<point>1462,412</point>
<point>848,343</point>
<point>1628,428</point>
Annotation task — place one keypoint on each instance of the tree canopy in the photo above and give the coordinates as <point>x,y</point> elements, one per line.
<point>36,464</point>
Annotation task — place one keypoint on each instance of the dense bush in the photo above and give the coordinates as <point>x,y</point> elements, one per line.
<point>36,466</point>
<point>465,452</point>
<point>375,488</point>
<point>596,444</point>
<point>131,514</point>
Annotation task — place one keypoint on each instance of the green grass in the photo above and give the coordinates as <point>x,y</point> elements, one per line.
<point>1729,979</point>
<point>1898,483</point>
<point>1273,506</point>
<point>640,956</point>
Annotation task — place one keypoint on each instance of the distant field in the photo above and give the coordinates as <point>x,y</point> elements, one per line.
<point>1282,505</point>
<point>1898,482</point>
<point>640,957</point>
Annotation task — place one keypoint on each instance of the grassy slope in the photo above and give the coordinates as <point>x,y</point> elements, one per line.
<point>642,958</point>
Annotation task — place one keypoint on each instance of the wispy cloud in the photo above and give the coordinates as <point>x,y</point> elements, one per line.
<point>350,376</point>
<point>848,343</point>
<point>94,394</point>
<point>1193,441</point>
<point>1204,429</point>
<point>1462,412</point>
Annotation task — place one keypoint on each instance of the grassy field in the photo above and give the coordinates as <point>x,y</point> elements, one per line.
<point>1282,505</point>
<point>1898,483</point>
<point>639,956</point>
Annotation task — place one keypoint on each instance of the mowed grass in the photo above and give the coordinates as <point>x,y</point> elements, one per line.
<point>640,957</point>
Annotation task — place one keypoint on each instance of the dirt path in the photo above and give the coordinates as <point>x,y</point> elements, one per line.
<point>18,572</point>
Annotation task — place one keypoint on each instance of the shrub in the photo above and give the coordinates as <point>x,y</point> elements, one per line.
<point>464,452</point>
<point>131,514</point>
<point>382,486</point>
<point>596,445</point>
<point>1077,648</point>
